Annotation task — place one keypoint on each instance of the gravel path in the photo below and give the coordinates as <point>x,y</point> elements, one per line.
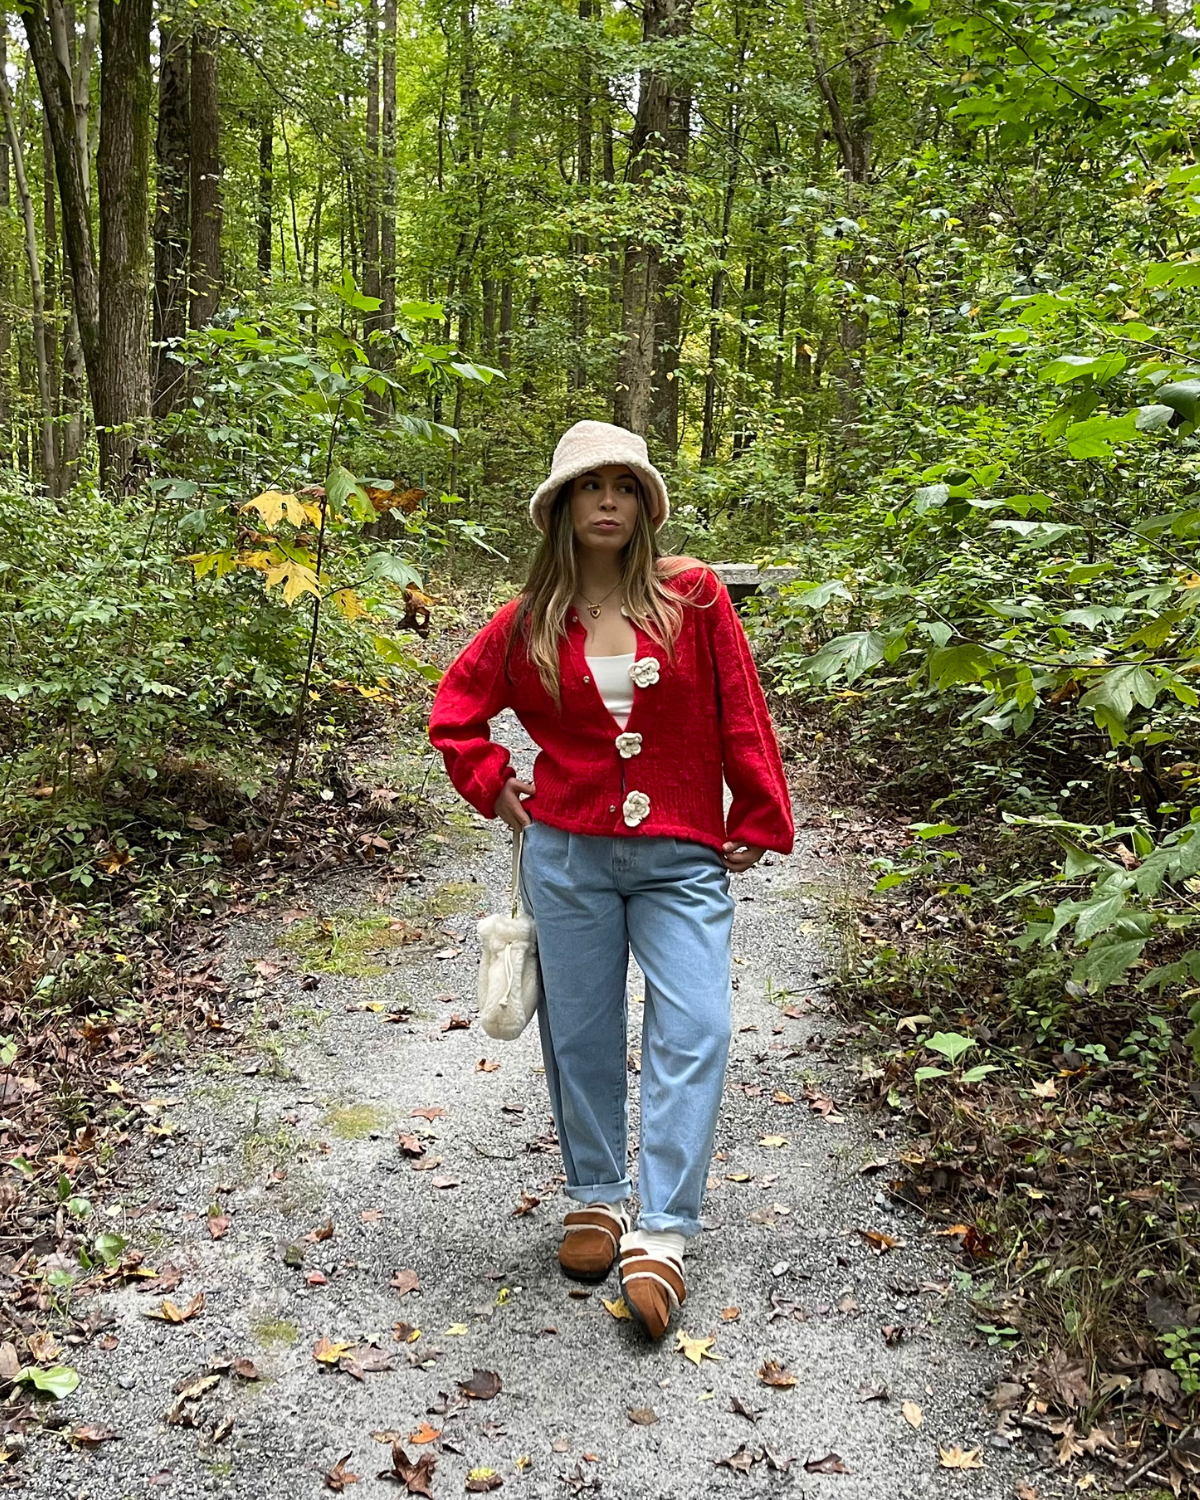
<point>300,1130</point>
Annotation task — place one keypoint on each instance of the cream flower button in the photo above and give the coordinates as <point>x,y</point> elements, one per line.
<point>629,745</point>
<point>636,808</point>
<point>644,671</point>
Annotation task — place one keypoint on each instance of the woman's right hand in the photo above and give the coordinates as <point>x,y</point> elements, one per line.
<point>509,805</point>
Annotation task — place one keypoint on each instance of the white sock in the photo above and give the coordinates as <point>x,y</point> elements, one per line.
<point>655,1240</point>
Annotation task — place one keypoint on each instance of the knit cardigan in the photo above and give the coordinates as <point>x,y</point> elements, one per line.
<point>699,718</point>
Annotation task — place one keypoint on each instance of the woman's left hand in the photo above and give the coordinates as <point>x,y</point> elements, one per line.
<point>739,857</point>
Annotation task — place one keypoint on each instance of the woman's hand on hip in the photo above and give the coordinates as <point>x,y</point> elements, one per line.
<point>739,857</point>
<point>509,805</point>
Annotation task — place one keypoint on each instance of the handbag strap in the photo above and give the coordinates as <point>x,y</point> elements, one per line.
<point>518,842</point>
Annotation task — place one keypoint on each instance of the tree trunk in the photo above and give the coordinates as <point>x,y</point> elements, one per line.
<point>47,35</point>
<point>205,173</point>
<point>266,174</point>
<point>577,375</point>
<point>387,145</point>
<point>370,187</point>
<point>668,334</point>
<point>6,290</point>
<point>648,155</point>
<point>123,189</point>
<point>50,467</point>
<point>172,149</point>
<point>716,295</point>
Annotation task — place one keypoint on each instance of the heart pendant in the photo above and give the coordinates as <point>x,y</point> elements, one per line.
<point>594,611</point>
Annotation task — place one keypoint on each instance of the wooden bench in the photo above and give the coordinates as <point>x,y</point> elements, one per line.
<point>744,579</point>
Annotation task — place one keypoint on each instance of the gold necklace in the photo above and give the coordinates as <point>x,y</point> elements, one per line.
<point>594,609</point>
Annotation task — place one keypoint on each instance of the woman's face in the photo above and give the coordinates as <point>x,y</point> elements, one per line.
<point>604,508</point>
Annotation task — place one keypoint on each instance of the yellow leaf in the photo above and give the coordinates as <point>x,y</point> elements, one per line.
<point>773,1140</point>
<point>295,577</point>
<point>482,1474</point>
<point>349,604</point>
<point>737,1176</point>
<point>273,505</point>
<point>522,1463</point>
<point>326,1352</point>
<point>260,561</point>
<point>456,1330</point>
<point>912,1413</point>
<point>695,1349</point>
<point>955,1458</point>
<point>204,562</point>
<point>1047,1089</point>
<point>618,1307</point>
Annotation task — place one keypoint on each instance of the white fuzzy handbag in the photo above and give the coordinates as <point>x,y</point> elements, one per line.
<point>510,982</point>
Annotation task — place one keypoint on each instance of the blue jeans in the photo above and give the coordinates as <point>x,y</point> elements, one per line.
<point>594,899</point>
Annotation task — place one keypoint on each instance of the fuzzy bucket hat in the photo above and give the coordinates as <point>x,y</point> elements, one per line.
<point>588,445</point>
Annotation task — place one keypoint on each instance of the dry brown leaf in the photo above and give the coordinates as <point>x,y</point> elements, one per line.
<point>482,1386</point>
<point>730,1314</point>
<point>245,1369</point>
<point>527,1204</point>
<point>911,1413</point>
<point>486,1065</point>
<point>956,1458</point>
<point>426,1433</point>
<point>428,1112</point>
<point>880,1242</point>
<point>339,1476</point>
<point>773,1373</point>
<point>218,1225</point>
<point>643,1416</point>
<point>405,1282</point>
<point>315,1236</point>
<point>169,1312</point>
<point>831,1464</point>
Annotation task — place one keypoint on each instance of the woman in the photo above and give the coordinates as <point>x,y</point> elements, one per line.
<point>632,673</point>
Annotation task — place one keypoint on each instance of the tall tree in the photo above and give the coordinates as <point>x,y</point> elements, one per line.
<point>663,21</point>
<point>206,200</point>
<point>387,143</point>
<point>123,190</point>
<point>266,175</point>
<point>172,151</point>
<point>48,33</point>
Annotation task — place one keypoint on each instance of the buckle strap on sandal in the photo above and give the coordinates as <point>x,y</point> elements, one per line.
<point>599,1216</point>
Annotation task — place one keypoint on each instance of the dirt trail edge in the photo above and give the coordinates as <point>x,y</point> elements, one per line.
<point>303,1133</point>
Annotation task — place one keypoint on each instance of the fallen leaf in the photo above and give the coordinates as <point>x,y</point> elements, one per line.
<point>730,1314</point>
<point>445,1182</point>
<point>822,1105</point>
<point>426,1433</point>
<point>410,1145</point>
<point>618,1307</point>
<point>872,1393</point>
<point>956,1458</point>
<point>245,1369</point>
<point>482,1386</point>
<point>736,1404</point>
<point>316,1236</point>
<point>316,1278</point>
<point>170,1313</point>
<point>1027,1491</point>
<point>415,1478</point>
<point>527,1204</point>
<point>405,1282</point>
<point>481,1480</point>
<point>455,1023</point>
<point>457,1330</point>
<point>880,1242</point>
<point>894,1334</point>
<point>1047,1089</point>
<point>911,1413</point>
<point>830,1464</point>
<point>93,1436</point>
<point>695,1349</point>
<point>1161,1385</point>
<point>772,1140</point>
<point>643,1416</point>
<point>339,1476</point>
<point>326,1352</point>
<point>486,1065</point>
<point>739,1462</point>
<point>738,1176</point>
<point>780,1097</point>
<point>218,1224</point>
<point>428,1112</point>
<point>773,1373</point>
<point>427,1164</point>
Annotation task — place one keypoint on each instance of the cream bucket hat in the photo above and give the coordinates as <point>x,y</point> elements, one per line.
<point>588,445</point>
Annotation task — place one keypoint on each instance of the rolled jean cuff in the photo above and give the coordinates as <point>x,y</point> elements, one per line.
<point>602,1192</point>
<point>689,1228</point>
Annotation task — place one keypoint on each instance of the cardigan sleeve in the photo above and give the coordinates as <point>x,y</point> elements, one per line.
<point>473,691</point>
<point>761,810</point>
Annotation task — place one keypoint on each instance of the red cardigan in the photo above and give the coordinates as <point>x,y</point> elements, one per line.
<point>703,719</point>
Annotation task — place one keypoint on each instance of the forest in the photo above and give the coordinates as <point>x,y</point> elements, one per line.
<point>295,300</point>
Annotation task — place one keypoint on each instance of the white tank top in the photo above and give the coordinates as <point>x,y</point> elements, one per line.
<point>612,679</point>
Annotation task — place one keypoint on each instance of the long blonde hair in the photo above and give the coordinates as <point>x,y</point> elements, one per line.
<point>554,581</point>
